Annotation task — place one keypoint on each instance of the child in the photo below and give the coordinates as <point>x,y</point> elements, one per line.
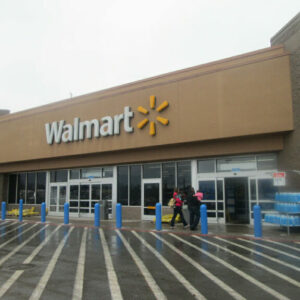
<point>199,195</point>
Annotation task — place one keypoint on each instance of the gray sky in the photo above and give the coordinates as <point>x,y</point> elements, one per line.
<point>50,49</point>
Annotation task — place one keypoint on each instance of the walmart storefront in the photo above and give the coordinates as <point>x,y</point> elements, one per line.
<point>218,127</point>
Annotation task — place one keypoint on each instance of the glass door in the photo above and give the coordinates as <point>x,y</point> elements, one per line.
<point>237,200</point>
<point>95,196</point>
<point>84,199</point>
<point>74,196</point>
<point>220,201</point>
<point>151,194</point>
<point>208,188</point>
<point>84,196</point>
<point>106,197</point>
<point>58,197</point>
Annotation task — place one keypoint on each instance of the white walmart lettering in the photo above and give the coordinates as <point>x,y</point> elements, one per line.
<point>57,132</point>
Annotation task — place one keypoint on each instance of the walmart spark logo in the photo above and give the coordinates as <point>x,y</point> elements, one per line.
<point>144,111</point>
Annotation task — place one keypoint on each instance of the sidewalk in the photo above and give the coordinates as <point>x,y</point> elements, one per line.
<point>269,231</point>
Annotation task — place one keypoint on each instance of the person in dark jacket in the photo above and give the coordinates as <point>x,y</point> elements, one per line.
<point>194,209</point>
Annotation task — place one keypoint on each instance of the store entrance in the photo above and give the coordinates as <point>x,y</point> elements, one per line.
<point>84,196</point>
<point>151,194</point>
<point>237,200</point>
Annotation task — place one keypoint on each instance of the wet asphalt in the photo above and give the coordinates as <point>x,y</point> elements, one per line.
<point>56,261</point>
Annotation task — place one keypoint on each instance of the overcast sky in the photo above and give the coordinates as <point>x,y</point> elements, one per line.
<point>51,50</point>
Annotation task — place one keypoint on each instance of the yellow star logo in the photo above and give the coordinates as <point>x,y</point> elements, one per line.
<point>144,111</point>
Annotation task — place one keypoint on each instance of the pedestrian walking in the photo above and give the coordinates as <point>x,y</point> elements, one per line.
<point>178,209</point>
<point>194,207</point>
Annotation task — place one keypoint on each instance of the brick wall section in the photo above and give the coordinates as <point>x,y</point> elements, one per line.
<point>289,158</point>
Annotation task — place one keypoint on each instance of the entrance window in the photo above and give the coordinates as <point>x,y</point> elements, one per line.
<point>135,185</point>
<point>253,190</point>
<point>31,187</point>
<point>129,185</point>
<point>53,198</point>
<point>266,162</point>
<point>106,191</point>
<point>30,199</point>
<point>122,178</point>
<point>107,172</point>
<point>59,176</point>
<point>74,195</point>
<point>236,164</point>
<point>151,171</point>
<point>236,200</point>
<point>151,197</point>
<point>184,175</point>
<point>90,173</point>
<point>21,187</point>
<point>40,187</point>
<point>107,195</point>
<point>206,166</point>
<point>12,188</point>
<point>168,181</point>
<point>266,189</point>
<point>75,174</point>
<point>208,189</point>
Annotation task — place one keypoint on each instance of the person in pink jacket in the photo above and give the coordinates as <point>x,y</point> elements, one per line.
<point>199,195</point>
<point>178,209</point>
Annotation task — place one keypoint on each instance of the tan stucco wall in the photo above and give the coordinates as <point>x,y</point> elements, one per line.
<point>243,96</point>
<point>252,144</point>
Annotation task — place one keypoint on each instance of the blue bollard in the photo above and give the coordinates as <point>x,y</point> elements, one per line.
<point>21,210</point>
<point>158,216</point>
<point>3,211</point>
<point>257,221</point>
<point>203,213</point>
<point>43,212</point>
<point>66,213</point>
<point>119,215</point>
<point>97,215</point>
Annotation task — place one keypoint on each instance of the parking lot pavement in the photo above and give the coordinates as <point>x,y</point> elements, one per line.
<point>55,261</point>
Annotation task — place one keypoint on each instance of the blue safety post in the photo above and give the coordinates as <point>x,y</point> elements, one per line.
<point>257,221</point>
<point>43,212</point>
<point>97,215</point>
<point>119,215</point>
<point>66,213</point>
<point>21,210</point>
<point>203,214</point>
<point>158,216</point>
<point>3,211</point>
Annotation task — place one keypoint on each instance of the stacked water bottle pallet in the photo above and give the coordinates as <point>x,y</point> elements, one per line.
<point>287,206</point>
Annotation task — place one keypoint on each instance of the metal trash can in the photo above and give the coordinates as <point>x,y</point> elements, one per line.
<point>103,210</point>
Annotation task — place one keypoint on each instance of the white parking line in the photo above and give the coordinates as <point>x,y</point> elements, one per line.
<point>265,255</point>
<point>3,223</point>
<point>283,245</point>
<point>43,281</point>
<point>78,285</point>
<point>234,269</point>
<point>6,232</point>
<point>6,285</point>
<point>274,272</point>
<point>272,249</point>
<point>112,277</point>
<point>173,271</point>
<point>208,274</point>
<point>17,236</point>
<point>16,249</point>
<point>147,275</point>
